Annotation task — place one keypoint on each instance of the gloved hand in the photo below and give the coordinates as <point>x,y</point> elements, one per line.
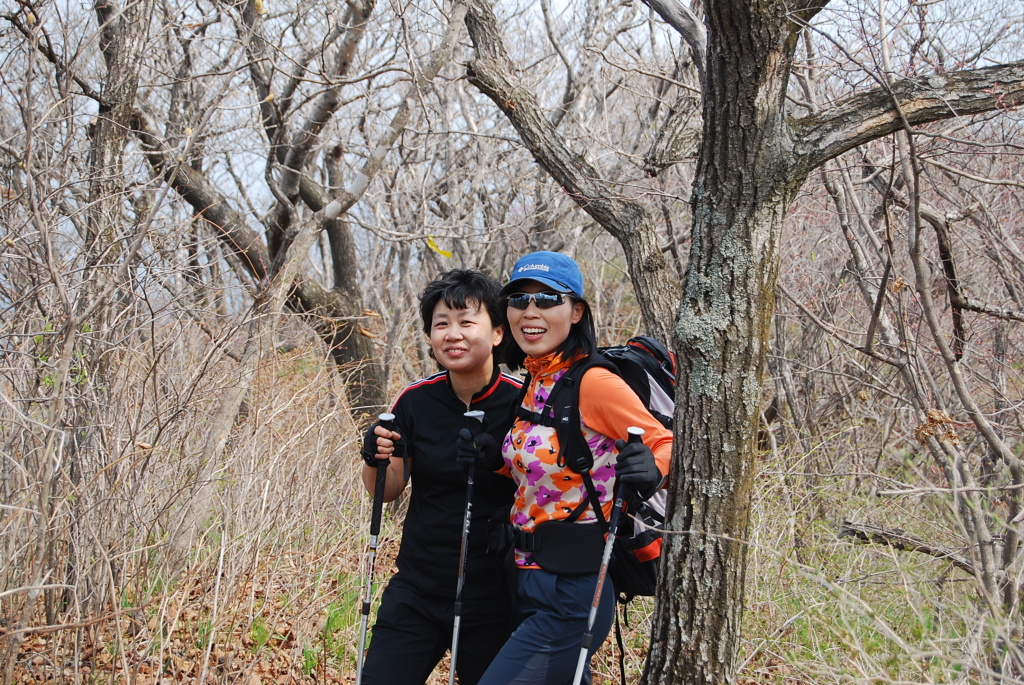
<point>636,468</point>
<point>371,447</point>
<point>480,450</point>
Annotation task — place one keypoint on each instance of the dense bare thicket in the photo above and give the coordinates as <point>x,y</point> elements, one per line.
<point>193,333</point>
<point>902,424</point>
<point>896,363</point>
<point>179,409</point>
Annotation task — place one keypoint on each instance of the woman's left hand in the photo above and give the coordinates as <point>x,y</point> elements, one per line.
<point>636,468</point>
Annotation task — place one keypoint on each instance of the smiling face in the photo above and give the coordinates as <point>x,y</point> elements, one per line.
<point>541,331</point>
<point>462,339</point>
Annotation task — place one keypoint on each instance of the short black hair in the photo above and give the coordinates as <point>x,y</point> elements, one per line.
<point>582,338</point>
<point>457,288</point>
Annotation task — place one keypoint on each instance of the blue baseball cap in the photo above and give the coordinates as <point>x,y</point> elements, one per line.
<point>553,269</point>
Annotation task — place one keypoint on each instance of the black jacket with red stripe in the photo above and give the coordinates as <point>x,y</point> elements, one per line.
<point>429,416</point>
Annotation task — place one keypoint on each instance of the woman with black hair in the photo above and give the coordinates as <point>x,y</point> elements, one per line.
<point>462,319</point>
<point>555,583</point>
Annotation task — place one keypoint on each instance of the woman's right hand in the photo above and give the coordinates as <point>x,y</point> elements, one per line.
<point>379,443</point>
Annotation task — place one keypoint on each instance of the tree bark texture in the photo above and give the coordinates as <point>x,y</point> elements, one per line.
<point>123,35</point>
<point>746,178</point>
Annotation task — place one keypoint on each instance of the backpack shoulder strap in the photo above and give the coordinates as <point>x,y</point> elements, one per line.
<point>562,411</point>
<point>593,500</point>
<point>565,401</point>
<point>521,411</point>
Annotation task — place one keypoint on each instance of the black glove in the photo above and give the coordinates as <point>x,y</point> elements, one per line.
<point>369,451</point>
<point>635,467</point>
<point>480,450</point>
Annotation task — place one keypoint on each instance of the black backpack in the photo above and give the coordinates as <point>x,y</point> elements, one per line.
<point>650,370</point>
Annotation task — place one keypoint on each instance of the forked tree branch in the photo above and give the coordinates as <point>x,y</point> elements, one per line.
<point>493,72</point>
<point>241,242</point>
<point>685,22</point>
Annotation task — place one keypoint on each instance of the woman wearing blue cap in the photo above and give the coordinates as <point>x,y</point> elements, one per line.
<point>553,329</point>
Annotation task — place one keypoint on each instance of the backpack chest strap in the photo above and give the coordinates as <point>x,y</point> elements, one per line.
<point>534,417</point>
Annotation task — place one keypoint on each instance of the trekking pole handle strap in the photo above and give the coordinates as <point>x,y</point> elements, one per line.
<point>387,421</point>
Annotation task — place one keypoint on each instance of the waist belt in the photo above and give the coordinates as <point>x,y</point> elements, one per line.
<point>564,547</point>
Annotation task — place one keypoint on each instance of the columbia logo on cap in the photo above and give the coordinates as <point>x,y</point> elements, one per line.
<point>533,267</point>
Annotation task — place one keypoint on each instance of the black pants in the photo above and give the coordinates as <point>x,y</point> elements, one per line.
<point>414,630</point>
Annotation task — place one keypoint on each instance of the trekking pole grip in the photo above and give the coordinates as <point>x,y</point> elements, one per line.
<point>476,414</point>
<point>635,434</point>
<point>387,421</point>
<point>481,417</point>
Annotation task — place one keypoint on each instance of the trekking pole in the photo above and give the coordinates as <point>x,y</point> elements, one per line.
<point>463,553</point>
<point>635,435</point>
<point>387,421</point>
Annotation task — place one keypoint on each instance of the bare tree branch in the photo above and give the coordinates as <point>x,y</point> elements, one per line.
<point>493,72</point>
<point>867,116</point>
<point>957,299</point>
<point>343,201</point>
<point>206,201</point>
<point>904,542</point>
<point>46,48</point>
<point>683,20</point>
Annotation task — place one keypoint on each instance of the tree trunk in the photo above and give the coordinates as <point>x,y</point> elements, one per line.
<point>746,178</point>
<point>123,34</point>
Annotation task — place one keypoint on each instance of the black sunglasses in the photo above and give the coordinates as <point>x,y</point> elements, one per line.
<point>542,300</point>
